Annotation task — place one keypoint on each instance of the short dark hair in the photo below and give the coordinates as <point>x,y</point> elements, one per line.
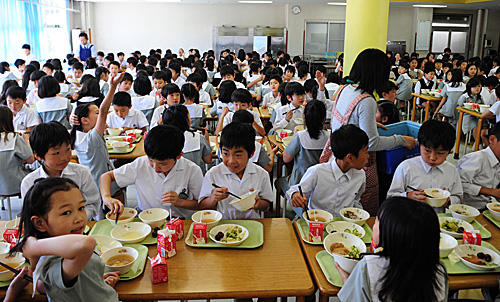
<point>127,77</point>
<point>16,92</point>
<point>495,130</point>
<point>37,75</point>
<point>241,95</point>
<point>237,135</point>
<point>122,98</point>
<point>176,115</point>
<point>188,91</point>
<point>429,69</point>
<point>49,66</point>
<point>447,49</point>
<point>387,87</point>
<point>142,85</point>
<point>388,109</point>
<point>48,87</point>
<point>294,88</point>
<point>225,70</point>
<point>302,71</point>
<point>48,135</point>
<point>226,89</point>
<point>91,63</point>
<point>77,66</point>
<point>348,139</point>
<point>116,63</point>
<point>196,78</point>
<point>159,148</point>
<point>434,134</point>
<point>99,71</point>
<point>290,68</point>
<point>277,78</point>
<point>161,75</point>
<point>120,54</point>
<point>254,67</point>
<point>175,65</point>
<point>19,62</point>
<point>243,116</point>
<point>82,34</point>
<point>492,81</point>
<point>133,61</point>
<point>26,46</point>
<point>168,89</point>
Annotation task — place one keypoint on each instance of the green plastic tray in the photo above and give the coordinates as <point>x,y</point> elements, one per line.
<point>485,234</point>
<point>304,231</point>
<point>129,149</point>
<point>254,240</point>
<point>327,264</point>
<point>458,268</point>
<point>137,139</point>
<point>139,264</point>
<point>490,217</point>
<point>104,227</point>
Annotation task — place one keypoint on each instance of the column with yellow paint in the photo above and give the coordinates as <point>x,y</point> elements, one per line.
<point>366,26</point>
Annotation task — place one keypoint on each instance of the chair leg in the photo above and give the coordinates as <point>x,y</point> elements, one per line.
<point>3,204</point>
<point>8,207</point>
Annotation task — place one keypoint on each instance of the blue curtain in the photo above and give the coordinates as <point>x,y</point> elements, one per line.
<point>21,24</point>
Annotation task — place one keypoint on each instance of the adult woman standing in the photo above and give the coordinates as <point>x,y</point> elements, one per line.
<point>355,104</point>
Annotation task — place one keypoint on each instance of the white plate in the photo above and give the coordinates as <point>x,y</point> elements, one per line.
<point>342,226</point>
<point>461,223</point>
<point>105,243</point>
<point>465,249</point>
<point>223,228</point>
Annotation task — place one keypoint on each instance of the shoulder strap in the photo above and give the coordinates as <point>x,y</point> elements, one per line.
<point>345,119</point>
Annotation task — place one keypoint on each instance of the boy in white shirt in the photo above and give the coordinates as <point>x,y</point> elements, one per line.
<point>337,184</point>
<point>494,111</point>
<point>77,70</point>
<point>227,74</point>
<point>162,178</point>
<point>28,55</point>
<point>429,170</point>
<point>160,78</point>
<point>51,144</point>
<point>121,60</point>
<point>236,174</point>
<point>480,172</point>
<point>175,68</point>
<point>285,115</point>
<point>126,85</point>
<point>197,80</point>
<point>124,116</point>
<point>24,117</point>
<point>131,65</point>
<point>273,96</point>
<point>241,100</point>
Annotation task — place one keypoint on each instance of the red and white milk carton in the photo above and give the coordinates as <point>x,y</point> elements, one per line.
<point>167,243</point>
<point>159,269</point>
<point>315,232</point>
<point>472,237</point>
<point>178,226</point>
<point>10,235</point>
<point>199,233</point>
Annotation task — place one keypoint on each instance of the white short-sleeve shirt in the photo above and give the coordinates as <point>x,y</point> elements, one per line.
<point>25,118</point>
<point>134,119</point>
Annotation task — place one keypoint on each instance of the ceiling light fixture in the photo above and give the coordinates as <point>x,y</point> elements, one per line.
<point>255,2</point>
<point>337,3</point>
<point>429,5</point>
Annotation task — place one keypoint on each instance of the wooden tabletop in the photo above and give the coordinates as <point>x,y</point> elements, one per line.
<point>456,282</point>
<point>276,269</point>
<point>426,97</point>
<point>469,111</point>
<point>138,152</point>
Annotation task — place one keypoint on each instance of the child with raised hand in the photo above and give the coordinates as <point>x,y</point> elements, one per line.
<point>401,226</point>
<point>65,266</point>
<point>87,140</point>
<point>51,144</point>
<point>429,170</point>
<point>24,117</point>
<point>337,184</point>
<point>472,94</point>
<point>144,101</point>
<point>273,96</point>
<point>236,174</point>
<point>196,147</point>
<point>191,98</point>
<point>171,95</point>
<point>451,92</point>
<point>51,107</point>
<point>162,178</point>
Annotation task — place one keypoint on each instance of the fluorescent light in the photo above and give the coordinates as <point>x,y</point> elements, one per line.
<point>450,25</point>
<point>164,1</point>
<point>255,2</point>
<point>337,3</point>
<point>429,5</point>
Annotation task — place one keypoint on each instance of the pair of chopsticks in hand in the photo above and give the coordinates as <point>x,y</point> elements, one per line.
<point>426,195</point>
<point>26,277</point>
<point>216,186</point>
<point>291,110</point>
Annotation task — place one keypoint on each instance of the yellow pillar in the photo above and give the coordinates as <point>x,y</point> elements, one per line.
<point>366,26</point>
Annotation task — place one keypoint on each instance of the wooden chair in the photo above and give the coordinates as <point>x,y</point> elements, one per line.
<point>7,197</point>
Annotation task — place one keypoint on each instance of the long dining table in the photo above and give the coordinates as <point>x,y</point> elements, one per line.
<point>275,269</point>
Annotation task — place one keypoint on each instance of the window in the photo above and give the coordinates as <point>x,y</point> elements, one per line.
<point>323,36</point>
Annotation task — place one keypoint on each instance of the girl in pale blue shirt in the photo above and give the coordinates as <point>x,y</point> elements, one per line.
<point>451,92</point>
<point>51,107</point>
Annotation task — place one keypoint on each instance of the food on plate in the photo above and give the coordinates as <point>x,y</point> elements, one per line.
<point>320,219</point>
<point>131,235</point>
<point>206,220</point>
<point>435,194</point>
<point>354,232</point>
<point>496,209</point>
<point>13,264</point>
<point>119,260</point>
<point>452,226</point>
<point>340,249</point>
<point>232,234</point>
<point>480,259</point>
<point>461,212</point>
<point>351,215</point>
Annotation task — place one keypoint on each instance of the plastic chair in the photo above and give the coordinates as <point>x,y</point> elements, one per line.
<point>7,197</point>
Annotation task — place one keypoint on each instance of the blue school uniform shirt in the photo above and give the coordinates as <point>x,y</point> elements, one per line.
<point>195,148</point>
<point>12,152</point>
<point>197,114</point>
<point>54,109</point>
<point>452,95</point>
<point>146,104</point>
<point>469,121</point>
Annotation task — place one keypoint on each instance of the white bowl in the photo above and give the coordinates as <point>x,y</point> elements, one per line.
<point>465,249</point>
<point>115,131</point>
<point>246,202</point>
<point>322,217</point>
<point>155,217</point>
<point>136,131</point>
<point>348,240</point>
<point>468,105</point>
<point>298,121</point>
<point>208,215</point>
<point>12,223</point>
<point>16,262</point>
<point>464,212</point>
<point>483,108</point>
<point>118,138</point>
<point>127,216</point>
<point>362,214</point>
<point>105,243</point>
<point>494,205</point>
<point>461,223</point>
<point>446,245</point>
<point>120,146</point>
<point>223,228</point>
<point>279,131</point>
<point>124,250</point>
<point>131,232</point>
<point>4,247</point>
<point>344,227</point>
<point>440,197</point>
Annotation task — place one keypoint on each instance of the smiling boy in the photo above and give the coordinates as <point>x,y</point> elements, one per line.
<point>24,117</point>
<point>124,116</point>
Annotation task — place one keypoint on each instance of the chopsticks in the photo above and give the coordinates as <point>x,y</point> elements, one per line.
<point>411,188</point>
<point>26,277</point>
<point>291,110</point>
<point>116,219</point>
<point>272,144</point>
<point>307,208</point>
<point>216,186</point>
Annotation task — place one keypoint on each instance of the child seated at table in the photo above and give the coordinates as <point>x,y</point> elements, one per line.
<point>472,94</point>
<point>273,96</point>
<point>426,82</point>
<point>242,100</point>
<point>143,101</point>
<point>480,172</point>
<point>124,116</point>
<point>451,91</point>
<point>337,184</point>
<point>494,110</point>
<point>65,264</point>
<point>286,115</point>
<point>191,99</point>
<point>236,174</point>
<point>51,145</point>
<point>24,117</point>
<point>162,178</point>
<point>170,95</point>
<point>404,84</point>
<point>429,170</point>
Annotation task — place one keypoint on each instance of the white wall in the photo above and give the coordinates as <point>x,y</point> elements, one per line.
<point>492,27</point>
<point>141,26</point>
